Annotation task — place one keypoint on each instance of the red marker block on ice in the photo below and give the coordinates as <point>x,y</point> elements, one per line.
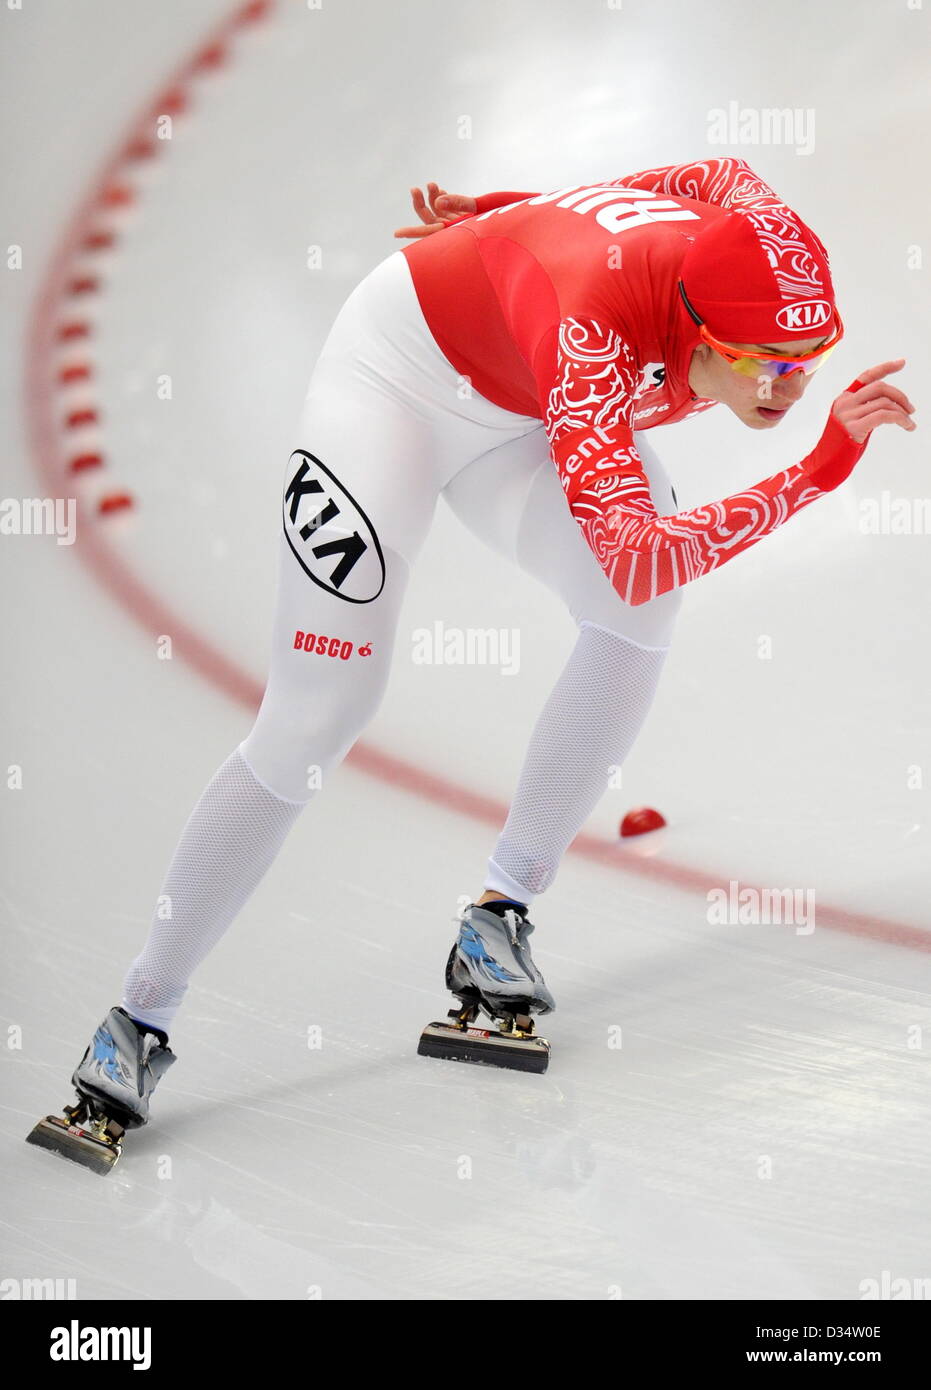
<point>640,820</point>
<point>114,502</point>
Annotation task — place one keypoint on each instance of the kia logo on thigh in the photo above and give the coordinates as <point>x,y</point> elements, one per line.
<point>332,538</point>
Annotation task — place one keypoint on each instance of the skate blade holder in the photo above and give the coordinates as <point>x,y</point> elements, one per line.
<point>97,1147</point>
<point>517,1047</point>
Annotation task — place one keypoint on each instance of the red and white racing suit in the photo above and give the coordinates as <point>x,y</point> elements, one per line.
<point>511,364</point>
<point>566,305</point>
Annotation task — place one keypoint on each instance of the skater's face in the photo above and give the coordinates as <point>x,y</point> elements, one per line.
<point>760,402</point>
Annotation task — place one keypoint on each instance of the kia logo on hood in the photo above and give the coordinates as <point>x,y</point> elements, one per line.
<point>808,313</point>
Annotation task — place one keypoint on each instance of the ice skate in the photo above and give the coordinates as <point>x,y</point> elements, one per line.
<point>490,969</point>
<point>114,1081</point>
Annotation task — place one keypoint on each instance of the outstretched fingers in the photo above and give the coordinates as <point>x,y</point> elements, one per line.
<point>877,389</point>
<point>874,401</point>
<point>434,210</point>
<point>884,369</point>
<point>882,411</point>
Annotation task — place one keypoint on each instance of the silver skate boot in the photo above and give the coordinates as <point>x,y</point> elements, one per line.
<point>121,1068</point>
<point>491,960</point>
<point>490,968</point>
<point>114,1081</point>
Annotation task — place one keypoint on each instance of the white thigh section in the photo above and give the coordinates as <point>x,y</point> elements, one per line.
<point>380,352</point>
<point>490,494</point>
<point>386,423</point>
<point>329,668</point>
<point>389,416</point>
<point>513,501</point>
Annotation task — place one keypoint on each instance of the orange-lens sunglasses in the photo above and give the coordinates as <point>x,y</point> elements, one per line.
<point>774,365</point>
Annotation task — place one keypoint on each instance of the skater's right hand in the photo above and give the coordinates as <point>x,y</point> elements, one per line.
<point>444,208</point>
<point>871,401</point>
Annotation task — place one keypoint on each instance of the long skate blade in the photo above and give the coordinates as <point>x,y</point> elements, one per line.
<point>60,1137</point>
<point>483,1045</point>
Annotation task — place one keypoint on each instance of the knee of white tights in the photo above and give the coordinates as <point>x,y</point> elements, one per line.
<point>646,625</point>
<point>291,749</point>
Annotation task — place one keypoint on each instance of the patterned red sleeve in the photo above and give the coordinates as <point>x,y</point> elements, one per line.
<point>588,421</point>
<point>725,183</point>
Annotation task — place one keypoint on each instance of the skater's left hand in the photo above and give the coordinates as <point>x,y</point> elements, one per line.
<point>874,401</point>
<point>442,210</point>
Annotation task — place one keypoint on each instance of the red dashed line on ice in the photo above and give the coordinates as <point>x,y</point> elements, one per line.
<point>59,359</point>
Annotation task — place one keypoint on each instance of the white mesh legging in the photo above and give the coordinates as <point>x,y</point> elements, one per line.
<point>386,429</point>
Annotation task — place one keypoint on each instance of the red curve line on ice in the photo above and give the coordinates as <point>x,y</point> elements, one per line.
<point>146,608</point>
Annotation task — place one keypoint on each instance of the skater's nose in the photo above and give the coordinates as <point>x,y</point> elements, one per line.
<point>788,390</point>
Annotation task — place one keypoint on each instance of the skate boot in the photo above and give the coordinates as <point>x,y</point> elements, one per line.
<point>491,961</point>
<point>114,1081</point>
<point>490,968</point>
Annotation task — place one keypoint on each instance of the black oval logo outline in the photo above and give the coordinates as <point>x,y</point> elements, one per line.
<point>328,588</point>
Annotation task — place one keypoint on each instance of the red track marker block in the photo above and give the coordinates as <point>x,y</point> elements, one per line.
<point>172,101</point>
<point>69,331</point>
<point>78,371</point>
<point>114,502</point>
<point>99,240</point>
<point>256,9</point>
<point>76,418</point>
<point>640,820</point>
<point>213,56</point>
<point>81,462</point>
<point>118,195</point>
